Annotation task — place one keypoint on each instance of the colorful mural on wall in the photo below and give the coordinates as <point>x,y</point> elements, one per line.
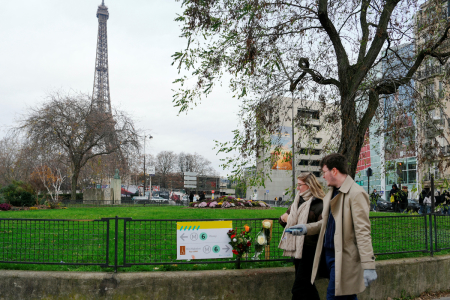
<point>281,150</point>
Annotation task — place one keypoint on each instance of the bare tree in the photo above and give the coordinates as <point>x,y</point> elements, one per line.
<point>74,126</point>
<point>327,50</point>
<point>195,163</point>
<point>16,159</point>
<point>165,163</point>
<point>51,178</point>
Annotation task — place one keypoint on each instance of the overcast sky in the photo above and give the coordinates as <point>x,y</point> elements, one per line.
<point>50,45</point>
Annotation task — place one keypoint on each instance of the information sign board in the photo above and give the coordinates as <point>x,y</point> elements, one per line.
<point>203,240</point>
<point>151,171</point>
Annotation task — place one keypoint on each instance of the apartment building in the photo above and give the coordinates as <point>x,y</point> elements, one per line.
<point>310,138</point>
<point>434,122</point>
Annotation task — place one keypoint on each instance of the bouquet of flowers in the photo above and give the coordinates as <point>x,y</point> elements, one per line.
<point>240,241</point>
<point>262,239</point>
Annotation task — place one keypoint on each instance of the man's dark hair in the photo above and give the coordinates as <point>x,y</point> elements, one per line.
<point>335,160</point>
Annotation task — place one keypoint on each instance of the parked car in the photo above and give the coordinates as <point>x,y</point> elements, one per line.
<point>136,198</point>
<point>413,205</point>
<point>383,205</point>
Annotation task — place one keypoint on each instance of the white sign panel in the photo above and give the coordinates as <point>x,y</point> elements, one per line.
<point>151,171</point>
<point>203,240</point>
<point>190,173</point>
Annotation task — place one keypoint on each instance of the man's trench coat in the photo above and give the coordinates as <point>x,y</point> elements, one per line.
<point>352,240</point>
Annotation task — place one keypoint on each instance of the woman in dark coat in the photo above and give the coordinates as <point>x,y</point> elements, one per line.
<point>306,208</point>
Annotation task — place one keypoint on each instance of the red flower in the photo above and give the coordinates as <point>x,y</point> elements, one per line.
<point>249,244</point>
<point>235,252</point>
<point>232,237</point>
<point>240,246</point>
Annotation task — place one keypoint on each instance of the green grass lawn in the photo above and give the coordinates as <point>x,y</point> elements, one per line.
<point>61,242</point>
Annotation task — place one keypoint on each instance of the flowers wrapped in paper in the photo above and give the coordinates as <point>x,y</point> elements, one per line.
<point>262,239</point>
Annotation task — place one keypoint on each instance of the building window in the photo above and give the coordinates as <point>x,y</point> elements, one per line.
<point>429,90</point>
<point>315,163</point>
<point>303,162</point>
<point>306,151</point>
<point>317,174</point>
<point>308,114</point>
<point>316,140</point>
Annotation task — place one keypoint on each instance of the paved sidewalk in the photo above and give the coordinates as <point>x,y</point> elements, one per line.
<point>444,298</point>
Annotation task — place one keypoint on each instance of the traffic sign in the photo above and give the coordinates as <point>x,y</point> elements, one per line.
<point>203,240</point>
<point>267,191</point>
<point>212,191</point>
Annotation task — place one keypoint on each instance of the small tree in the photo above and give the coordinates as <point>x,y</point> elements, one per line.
<point>74,125</point>
<point>52,179</point>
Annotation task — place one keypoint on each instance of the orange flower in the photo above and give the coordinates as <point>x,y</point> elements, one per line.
<point>247,228</point>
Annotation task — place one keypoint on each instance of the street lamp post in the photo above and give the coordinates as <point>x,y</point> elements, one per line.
<point>145,176</point>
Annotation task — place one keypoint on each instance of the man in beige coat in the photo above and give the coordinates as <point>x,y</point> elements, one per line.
<point>344,232</point>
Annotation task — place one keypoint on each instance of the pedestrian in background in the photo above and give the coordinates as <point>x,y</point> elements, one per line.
<point>445,202</point>
<point>393,195</point>
<point>426,193</point>
<point>344,232</point>
<point>191,197</point>
<point>374,197</point>
<point>403,194</point>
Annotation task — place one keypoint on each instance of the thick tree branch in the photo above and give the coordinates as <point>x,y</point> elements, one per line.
<point>316,76</point>
<point>365,30</point>
<point>339,49</point>
<point>380,37</point>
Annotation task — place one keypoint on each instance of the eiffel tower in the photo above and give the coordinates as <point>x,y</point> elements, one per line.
<point>100,94</point>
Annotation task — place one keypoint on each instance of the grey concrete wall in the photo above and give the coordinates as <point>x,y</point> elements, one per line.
<point>105,195</point>
<point>414,276</point>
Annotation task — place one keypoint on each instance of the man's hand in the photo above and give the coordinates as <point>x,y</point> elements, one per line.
<point>284,218</point>
<point>298,232</point>
<point>369,276</point>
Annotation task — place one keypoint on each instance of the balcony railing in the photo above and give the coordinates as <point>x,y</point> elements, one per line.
<point>430,71</point>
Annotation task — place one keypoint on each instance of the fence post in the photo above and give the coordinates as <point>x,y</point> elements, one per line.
<point>432,195</point>
<point>431,234</point>
<point>116,237</point>
<point>431,214</point>
<point>107,242</point>
<point>435,235</point>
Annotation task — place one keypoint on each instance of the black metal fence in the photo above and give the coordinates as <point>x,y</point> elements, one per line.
<point>43,241</point>
<point>154,242</point>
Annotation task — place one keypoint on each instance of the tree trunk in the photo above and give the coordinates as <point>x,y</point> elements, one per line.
<point>76,172</point>
<point>352,138</point>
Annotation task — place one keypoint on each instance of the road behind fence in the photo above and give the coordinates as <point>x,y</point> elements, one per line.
<point>124,242</point>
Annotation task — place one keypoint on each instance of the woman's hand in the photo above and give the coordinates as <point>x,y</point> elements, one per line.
<point>284,218</point>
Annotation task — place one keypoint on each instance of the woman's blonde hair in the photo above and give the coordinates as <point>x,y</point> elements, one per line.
<point>311,181</point>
